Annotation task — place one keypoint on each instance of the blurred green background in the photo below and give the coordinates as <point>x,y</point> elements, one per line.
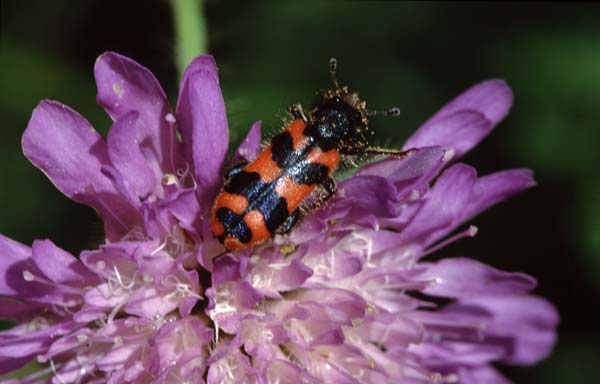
<point>413,55</point>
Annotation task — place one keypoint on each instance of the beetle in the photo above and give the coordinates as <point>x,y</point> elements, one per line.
<point>265,196</point>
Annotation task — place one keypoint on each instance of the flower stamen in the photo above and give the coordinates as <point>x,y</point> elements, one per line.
<point>126,286</point>
<point>469,232</point>
<point>181,289</point>
<point>172,137</point>
<point>37,324</point>
<point>56,374</point>
<point>31,278</point>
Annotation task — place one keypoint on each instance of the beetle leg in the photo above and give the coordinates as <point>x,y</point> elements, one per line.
<point>235,169</point>
<point>297,112</point>
<point>377,152</point>
<point>290,222</point>
<point>330,188</point>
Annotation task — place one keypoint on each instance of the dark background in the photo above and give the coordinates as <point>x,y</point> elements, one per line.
<point>413,55</point>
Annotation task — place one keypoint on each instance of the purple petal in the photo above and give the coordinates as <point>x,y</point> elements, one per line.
<point>492,99</point>
<point>186,210</point>
<point>158,221</point>
<point>203,123</point>
<point>15,261</point>
<point>12,254</point>
<point>72,154</point>
<point>190,279</point>
<point>373,195</point>
<point>262,336</point>
<point>11,364</point>
<point>524,325</point>
<point>232,364</point>
<point>532,320</point>
<point>181,338</point>
<point>391,331</point>
<point>67,343</point>
<point>34,342</point>
<point>400,170</point>
<point>380,288</point>
<point>271,278</point>
<point>23,346</point>
<point>327,370</point>
<point>445,202</point>
<point>210,137</point>
<point>245,296</point>
<point>481,374</point>
<point>411,177</point>
<point>491,189</point>
<point>462,277</point>
<point>89,313</point>
<point>102,296</point>
<point>125,152</point>
<point>249,149</point>
<point>66,147</point>
<point>125,86</point>
<point>460,131</point>
<point>226,269</point>
<point>342,305</point>
<point>356,362</point>
<point>149,302</point>
<point>12,251</point>
<point>117,357</point>
<point>285,372</point>
<point>310,325</point>
<point>21,311</point>
<point>60,266</point>
<point>462,352</point>
<point>204,63</point>
<point>291,276</point>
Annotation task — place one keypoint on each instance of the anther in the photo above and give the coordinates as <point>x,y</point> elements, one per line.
<point>82,338</point>
<point>169,179</point>
<point>28,276</point>
<point>287,248</point>
<point>169,117</point>
<point>469,232</point>
<point>37,324</point>
<point>448,155</point>
<point>414,195</point>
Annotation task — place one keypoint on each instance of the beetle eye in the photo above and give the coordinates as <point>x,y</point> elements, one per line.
<point>325,131</point>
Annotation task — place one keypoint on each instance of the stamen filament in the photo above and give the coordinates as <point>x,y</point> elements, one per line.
<point>469,232</point>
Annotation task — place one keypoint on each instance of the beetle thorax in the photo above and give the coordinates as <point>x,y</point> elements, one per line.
<point>334,120</point>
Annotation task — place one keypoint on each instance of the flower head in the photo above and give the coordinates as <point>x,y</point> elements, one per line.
<point>347,297</point>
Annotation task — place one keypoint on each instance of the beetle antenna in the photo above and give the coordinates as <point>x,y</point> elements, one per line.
<point>394,112</point>
<point>332,68</point>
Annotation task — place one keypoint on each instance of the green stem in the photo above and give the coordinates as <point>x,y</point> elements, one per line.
<point>190,31</point>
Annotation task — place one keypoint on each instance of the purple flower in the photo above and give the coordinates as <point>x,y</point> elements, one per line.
<point>347,297</point>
